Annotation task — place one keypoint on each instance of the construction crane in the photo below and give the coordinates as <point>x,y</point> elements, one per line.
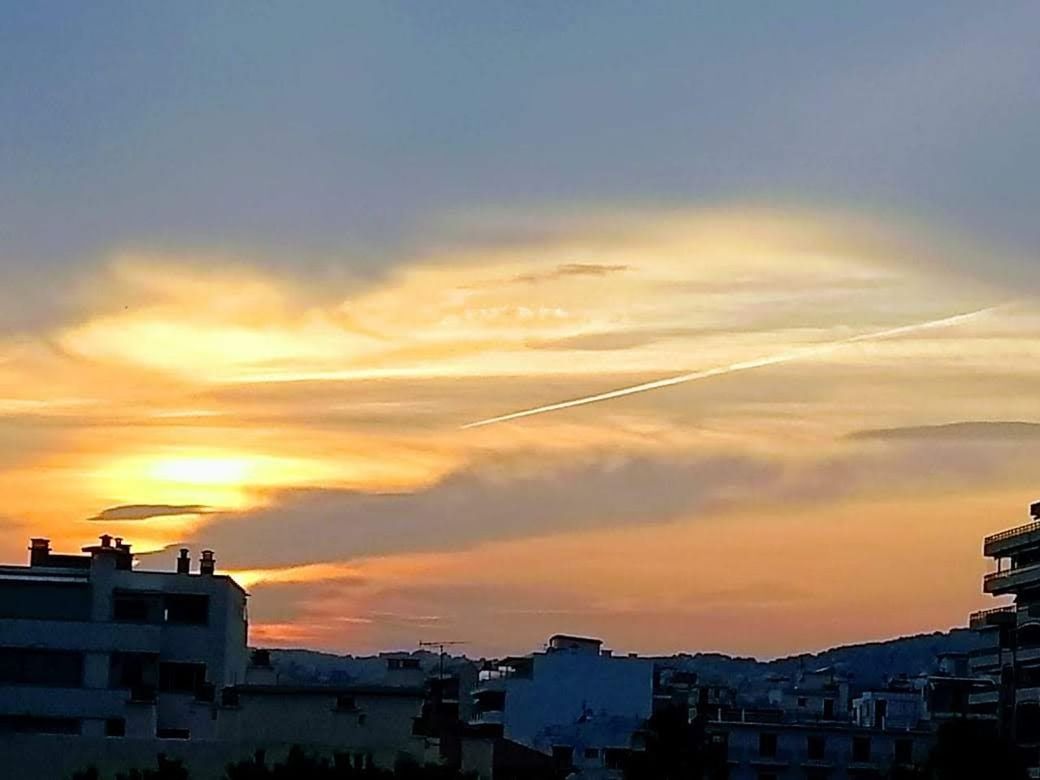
<point>440,649</point>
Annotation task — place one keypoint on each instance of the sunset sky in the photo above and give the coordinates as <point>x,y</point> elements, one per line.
<point>262,263</point>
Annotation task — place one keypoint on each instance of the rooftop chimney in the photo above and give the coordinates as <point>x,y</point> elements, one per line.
<point>106,540</point>
<point>1034,510</point>
<point>208,563</point>
<point>183,562</point>
<point>39,551</point>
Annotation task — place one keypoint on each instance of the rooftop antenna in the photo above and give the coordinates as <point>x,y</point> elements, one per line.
<point>440,648</point>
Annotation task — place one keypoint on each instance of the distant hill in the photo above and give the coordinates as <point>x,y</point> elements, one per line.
<point>868,664</point>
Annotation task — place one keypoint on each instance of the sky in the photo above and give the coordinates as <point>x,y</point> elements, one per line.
<point>261,265</point>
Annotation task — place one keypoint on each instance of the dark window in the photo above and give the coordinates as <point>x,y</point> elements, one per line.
<point>181,677</point>
<point>398,664</point>
<point>131,670</point>
<point>173,733</point>
<point>563,756</point>
<point>880,713</point>
<point>361,719</point>
<point>904,749</point>
<point>766,776</point>
<point>45,601</point>
<point>828,708</point>
<point>115,727</point>
<point>26,666</point>
<point>816,748</point>
<point>861,749</point>
<point>129,609</point>
<point>591,753</point>
<point>615,758</point>
<point>767,745</point>
<point>816,774</point>
<point>186,608</point>
<point>802,701</point>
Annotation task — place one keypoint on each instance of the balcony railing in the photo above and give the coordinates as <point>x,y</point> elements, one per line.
<point>1011,533</point>
<point>989,617</point>
<point>1009,579</point>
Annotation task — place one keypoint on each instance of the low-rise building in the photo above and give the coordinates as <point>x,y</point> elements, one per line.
<point>758,750</point>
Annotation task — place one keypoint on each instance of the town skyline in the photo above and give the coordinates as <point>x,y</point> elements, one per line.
<point>264,271</point>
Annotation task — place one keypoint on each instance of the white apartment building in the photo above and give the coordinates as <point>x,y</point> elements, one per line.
<point>91,645</point>
<point>545,696</point>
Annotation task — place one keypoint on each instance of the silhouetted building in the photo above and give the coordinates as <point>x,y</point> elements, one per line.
<point>575,701</point>
<point>765,750</point>
<point>90,645</point>
<point>1012,661</point>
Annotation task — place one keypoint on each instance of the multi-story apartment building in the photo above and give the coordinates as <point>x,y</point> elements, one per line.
<point>1012,660</point>
<point>90,645</point>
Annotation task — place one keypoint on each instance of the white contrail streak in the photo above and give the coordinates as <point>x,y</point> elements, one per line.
<point>747,365</point>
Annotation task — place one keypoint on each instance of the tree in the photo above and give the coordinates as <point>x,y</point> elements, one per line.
<point>676,749</point>
<point>969,750</point>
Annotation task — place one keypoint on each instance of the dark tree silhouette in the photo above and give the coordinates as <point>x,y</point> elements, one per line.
<point>676,749</point>
<point>969,750</point>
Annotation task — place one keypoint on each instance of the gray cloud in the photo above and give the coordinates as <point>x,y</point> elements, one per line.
<point>485,504</point>
<point>470,507</point>
<point>956,431</point>
<point>571,269</point>
<point>133,512</point>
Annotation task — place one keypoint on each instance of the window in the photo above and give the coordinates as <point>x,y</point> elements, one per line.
<point>816,748</point>
<point>361,719</point>
<point>803,702</point>
<point>880,713</point>
<point>115,727</point>
<point>861,749</point>
<point>816,774</point>
<point>828,709</point>
<point>591,754</point>
<point>563,756</point>
<point>186,608</point>
<point>615,758</point>
<point>904,749</point>
<point>45,601</point>
<point>766,776</point>
<point>129,609</point>
<point>54,668</point>
<point>181,677</point>
<point>131,670</point>
<point>767,745</point>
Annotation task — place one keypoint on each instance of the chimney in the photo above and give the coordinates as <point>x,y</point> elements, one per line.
<point>106,540</point>
<point>208,563</point>
<point>183,562</point>
<point>39,551</point>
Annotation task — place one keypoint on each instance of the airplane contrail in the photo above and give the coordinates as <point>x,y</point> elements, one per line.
<point>746,365</point>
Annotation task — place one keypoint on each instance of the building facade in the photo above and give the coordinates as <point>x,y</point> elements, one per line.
<point>90,645</point>
<point>1012,659</point>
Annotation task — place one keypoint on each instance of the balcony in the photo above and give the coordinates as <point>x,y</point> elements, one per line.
<point>986,618</point>
<point>1029,695</point>
<point>1011,580</point>
<point>1000,545</point>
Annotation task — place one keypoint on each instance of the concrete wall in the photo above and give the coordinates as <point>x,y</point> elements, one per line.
<point>379,725</point>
